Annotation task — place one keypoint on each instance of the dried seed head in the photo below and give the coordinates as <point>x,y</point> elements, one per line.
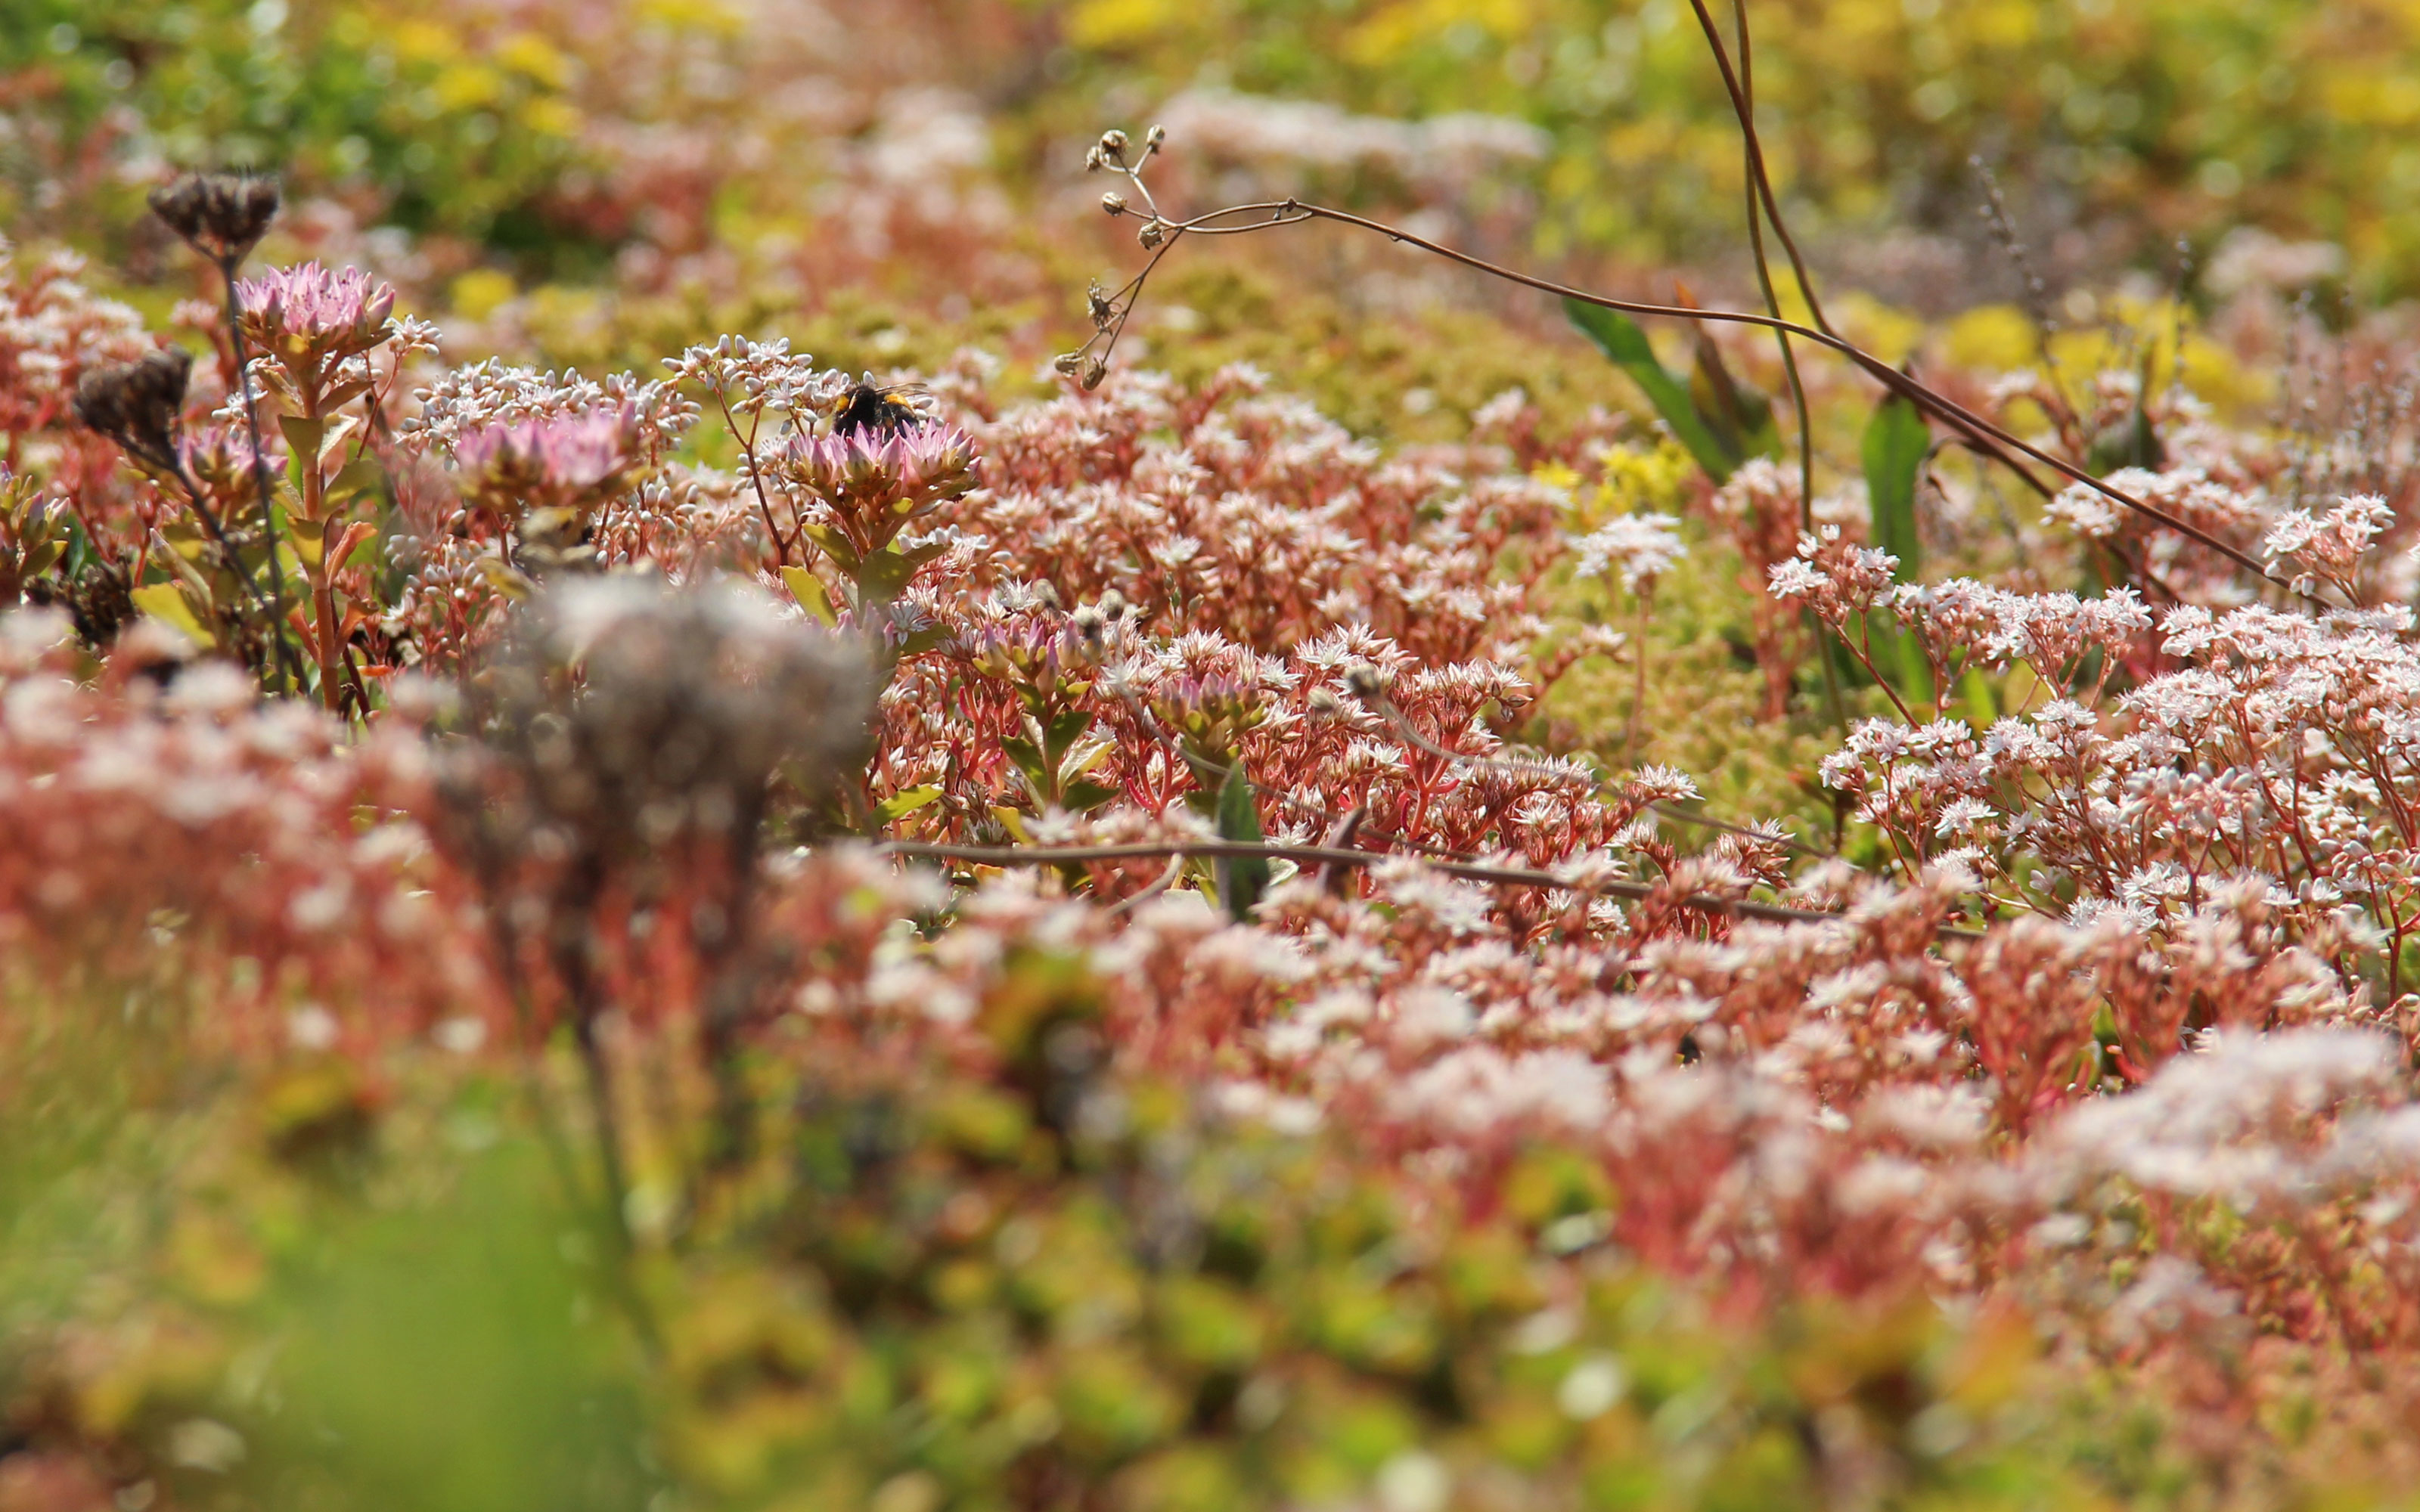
<point>1154,138</point>
<point>1113,146</point>
<point>139,405</point>
<point>1094,370</point>
<point>1114,204</point>
<point>1068,364</point>
<point>221,215</point>
<point>684,705</point>
<point>1102,308</point>
<point>1154,232</point>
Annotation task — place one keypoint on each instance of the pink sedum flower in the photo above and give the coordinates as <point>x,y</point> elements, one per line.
<point>309,313</point>
<point>906,471</point>
<point>874,481</point>
<point>569,461</point>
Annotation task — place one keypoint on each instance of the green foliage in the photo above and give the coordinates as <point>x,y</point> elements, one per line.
<point>1894,448</point>
<point>1241,880</point>
<point>456,130</point>
<point>2163,116</point>
<point>1619,337</point>
<point>1037,1285</point>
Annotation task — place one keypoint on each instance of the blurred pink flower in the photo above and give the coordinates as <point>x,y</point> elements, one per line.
<point>571,461</point>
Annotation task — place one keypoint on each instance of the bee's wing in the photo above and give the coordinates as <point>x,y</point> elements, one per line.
<point>913,398</point>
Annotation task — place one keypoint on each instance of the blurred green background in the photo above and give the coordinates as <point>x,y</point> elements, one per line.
<point>549,136</point>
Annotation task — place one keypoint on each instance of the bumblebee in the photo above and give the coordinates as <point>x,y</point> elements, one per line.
<point>882,408</point>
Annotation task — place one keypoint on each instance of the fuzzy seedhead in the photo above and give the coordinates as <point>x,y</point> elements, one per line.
<point>629,717</point>
<point>221,215</point>
<point>139,405</point>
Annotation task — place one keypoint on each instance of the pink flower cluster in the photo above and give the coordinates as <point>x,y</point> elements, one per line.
<point>308,314</point>
<point>561,461</point>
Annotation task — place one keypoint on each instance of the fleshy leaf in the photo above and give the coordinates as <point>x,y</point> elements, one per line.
<point>166,602</point>
<point>808,590</point>
<point>904,802</point>
<point>1242,879</point>
<point>1619,337</point>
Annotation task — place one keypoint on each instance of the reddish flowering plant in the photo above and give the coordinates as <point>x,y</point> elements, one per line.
<point>310,323</point>
<point>1188,643</point>
<point>863,488</point>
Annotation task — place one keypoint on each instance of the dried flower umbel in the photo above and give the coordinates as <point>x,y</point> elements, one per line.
<point>141,405</point>
<point>221,215</point>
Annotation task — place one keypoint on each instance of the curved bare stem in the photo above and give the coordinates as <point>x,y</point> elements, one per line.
<point>2001,445</point>
<point>1511,876</point>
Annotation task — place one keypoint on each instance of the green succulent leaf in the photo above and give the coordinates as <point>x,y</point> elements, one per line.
<point>1619,337</point>
<point>1894,447</point>
<point>1242,879</point>
<point>808,590</point>
<point>906,802</point>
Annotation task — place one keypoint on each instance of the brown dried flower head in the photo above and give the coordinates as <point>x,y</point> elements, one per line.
<point>139,405</point>
<point>221,215</point>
